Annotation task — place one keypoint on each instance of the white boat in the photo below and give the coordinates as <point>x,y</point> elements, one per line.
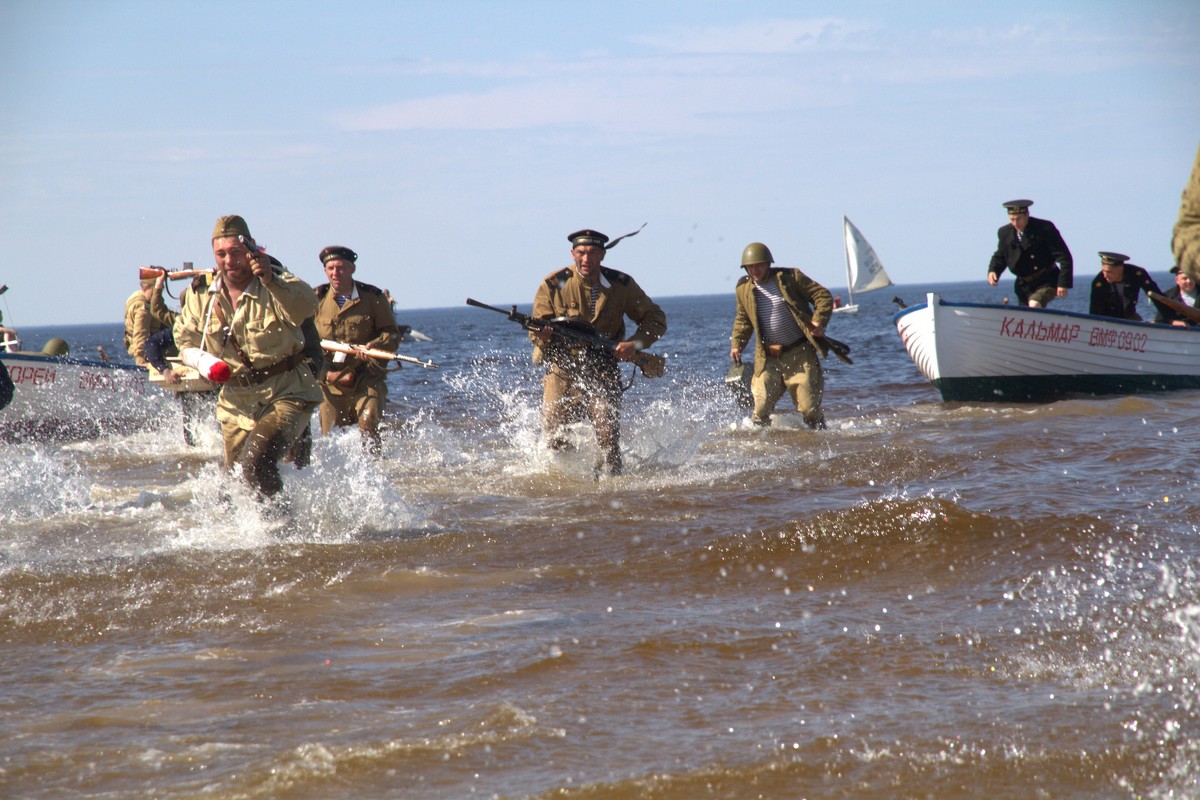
<point>977,352</point>
<point>864,272</point>
<point>60,397</point>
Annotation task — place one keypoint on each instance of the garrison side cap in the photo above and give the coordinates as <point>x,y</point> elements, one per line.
<point>587,236</point>
<point>1018,205</point>
<point>1116,259</point>
<point>231,225</point>
<point>336,251</point>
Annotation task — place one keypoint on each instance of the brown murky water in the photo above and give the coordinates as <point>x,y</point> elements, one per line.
<point>924,600</point>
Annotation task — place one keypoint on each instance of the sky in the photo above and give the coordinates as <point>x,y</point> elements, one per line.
<point>454,144</point>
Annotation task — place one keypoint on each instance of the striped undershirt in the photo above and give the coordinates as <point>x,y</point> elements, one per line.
<point>776,324</point>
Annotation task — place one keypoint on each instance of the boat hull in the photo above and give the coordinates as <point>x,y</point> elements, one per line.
<point>66,398</point>
<point>976,352</point>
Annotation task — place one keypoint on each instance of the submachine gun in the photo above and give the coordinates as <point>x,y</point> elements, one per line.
<point>651,365</point>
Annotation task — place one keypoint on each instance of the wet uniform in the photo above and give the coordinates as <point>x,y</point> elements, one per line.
<point>355,390</point>
<point>269,399</point>
<point>582,381</point>
<point>796,368</point>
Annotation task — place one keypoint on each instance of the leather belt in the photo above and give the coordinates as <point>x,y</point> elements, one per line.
<point>256,375</point>
<point>776,350</point>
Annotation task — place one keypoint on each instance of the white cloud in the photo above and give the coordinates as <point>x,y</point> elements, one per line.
<point>760,37</point>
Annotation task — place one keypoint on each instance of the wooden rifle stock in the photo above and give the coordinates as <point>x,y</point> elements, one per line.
<point>354,350</point>
<point>1182,308</point>
<point>651,365</point>
<point>149,273</point>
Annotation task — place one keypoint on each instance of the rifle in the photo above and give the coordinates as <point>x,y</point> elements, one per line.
<point>652,366</point>
<point>1183,309</point>
<point>354,350</point>
<point>149,273</point>
<point>839,349</point>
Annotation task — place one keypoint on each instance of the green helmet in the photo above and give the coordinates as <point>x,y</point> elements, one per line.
<point>756,253</point>
<point>56,347</point>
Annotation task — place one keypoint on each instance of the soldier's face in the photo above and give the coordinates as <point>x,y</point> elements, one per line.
<point>758,272</point>
<point>587,260</point>
<point>1019,218</point>
<point>339,273</point>
<point>1113,273</point>
<point>1185,282</point>
<point>233,260</point>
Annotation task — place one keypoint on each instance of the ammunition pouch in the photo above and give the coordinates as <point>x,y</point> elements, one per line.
<point>777,350</point>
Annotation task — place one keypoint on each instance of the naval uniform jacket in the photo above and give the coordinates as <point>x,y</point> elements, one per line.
<point>1032,258</point>
<point>267,325</point>
<point>366,320</point>
<point>564,293</point>
<point>809,302</point>
<point>1106,302</point>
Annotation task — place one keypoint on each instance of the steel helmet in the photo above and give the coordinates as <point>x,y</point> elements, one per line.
<point>56,347</point>
<point>756,253</point>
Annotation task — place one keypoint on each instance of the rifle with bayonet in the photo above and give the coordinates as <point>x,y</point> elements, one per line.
<point>386,355</point>
<point>652,366</point>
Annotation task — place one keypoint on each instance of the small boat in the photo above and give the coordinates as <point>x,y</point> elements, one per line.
<point>975,352</point>
<point>864,272</point>
<point>59,398</point>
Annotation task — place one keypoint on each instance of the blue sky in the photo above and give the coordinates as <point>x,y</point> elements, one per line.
<point>455,144</point>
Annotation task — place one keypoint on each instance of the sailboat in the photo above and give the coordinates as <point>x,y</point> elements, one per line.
<point>864,273</point>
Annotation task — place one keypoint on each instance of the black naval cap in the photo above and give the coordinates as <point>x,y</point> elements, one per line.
<point>1115,259</point>
<point>1175,270</point>
<point>587,236</point>
<point>1018,205</point>
<point>336,251</point>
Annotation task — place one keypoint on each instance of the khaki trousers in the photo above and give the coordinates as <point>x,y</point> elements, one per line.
<point>798,372</point>
<point>259,449</point>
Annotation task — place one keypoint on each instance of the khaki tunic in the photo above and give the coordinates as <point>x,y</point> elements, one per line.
<point>564,293</point>
<point>266,325</point>
<point>592,388</point>
<point>1185,243</point>
<point>140,325</point>
<point>798,371</point>
<point>366,320</point>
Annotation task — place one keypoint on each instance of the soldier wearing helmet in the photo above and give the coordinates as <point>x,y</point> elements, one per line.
<point>786,311</point>
<point>582,381</point>
<point>356,313</point>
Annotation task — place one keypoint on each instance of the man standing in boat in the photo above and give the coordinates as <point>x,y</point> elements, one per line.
<point>585,380</point>
<point>252,318</point>
<point>786,311</point>
<point>1034,251</point>
<point>354,313</point>
<point>1115,288</point>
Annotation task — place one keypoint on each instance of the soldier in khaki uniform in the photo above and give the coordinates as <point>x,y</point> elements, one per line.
<point>583,381</point>
<point>251,317</point>
<point>1185,239</point>
<point>786,311</point>
<point>140,324</point>
<point>352,312</point>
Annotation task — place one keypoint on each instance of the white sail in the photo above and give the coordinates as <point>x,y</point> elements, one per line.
<point>864,272</point>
